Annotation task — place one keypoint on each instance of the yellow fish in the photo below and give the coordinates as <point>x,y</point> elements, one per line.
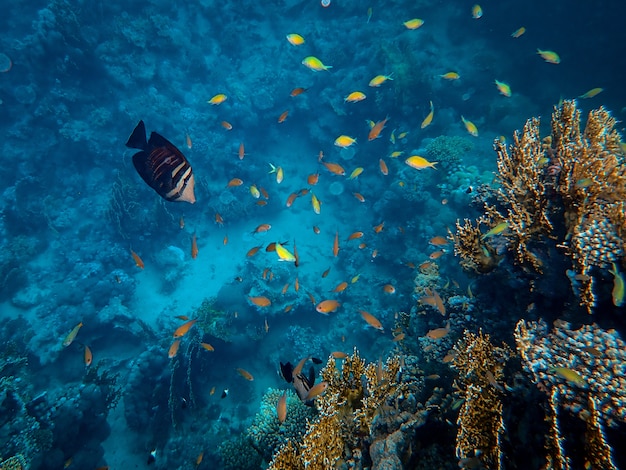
<point>518,32</point>
<point>283,253</point>
<point>295,39</point>
<point>569,375</point>
<point>413,24</point>
<point>591,93</point>
<point>503,88</point>
<point>396,154</point>
<point>255,192</point>
<point>470,126</point>
<point>218,99</point>
<point>355,173</point>
<point>378,80</point>
<point>71,335</point>
<point>354,97</point>
<point>344,141</point>
<point>429,119</point>
<point>279,173</point>
<point>618,286</point>
<point>549,56</point>
<point>477,12</point>
<point>419,163</point>
<point>402,135</point>
<point>355,278</point>
<point>316,203</point>
<point>450,76</point>
<point>315,64</point>
<point>498,229</point>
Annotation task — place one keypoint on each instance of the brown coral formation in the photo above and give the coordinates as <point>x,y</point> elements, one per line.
<point>356,395</point>
<point>569,187</point>
<point>480,366</point>
<point>582,371</point>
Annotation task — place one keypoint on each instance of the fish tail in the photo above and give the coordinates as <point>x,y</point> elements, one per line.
<point>137,139</point>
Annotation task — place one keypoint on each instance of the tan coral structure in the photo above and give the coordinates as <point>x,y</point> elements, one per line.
<point>480,425</point>
<point>599,358</point>
<point>569,187</point>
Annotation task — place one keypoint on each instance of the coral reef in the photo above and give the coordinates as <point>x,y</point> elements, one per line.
<point>480,366</point>
<point>569,187</point>
<point>362,403</point>
<point>582,371</point>
<point>238,454</point>
<point>447,150</point>
<point>17,462</point>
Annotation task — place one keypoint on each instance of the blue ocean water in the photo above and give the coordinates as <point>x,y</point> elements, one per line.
<point>76,78</point>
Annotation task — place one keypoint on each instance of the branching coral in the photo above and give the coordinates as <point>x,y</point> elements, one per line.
<point>480,364</point>
<point>17,462</point>
<point>355,395</point>
<point>583,372</point>
<point>569,187</point>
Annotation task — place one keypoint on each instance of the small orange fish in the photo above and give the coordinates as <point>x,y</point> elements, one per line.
<point>182,317</point>
<point>336,244</point>
<point>375,253</point>
<point>260,301</point>
<point>335,168</point>
<point>359,196</point>
<point>138,260</point>
<point>338,355</point>
<point>88,356</point>
<point>284,289</point>
<point>188,141</point>
<point>245,374</point>
<point>316,230</point>
<point>436,254</point>
<point>283,116</point>
<point>173,349</point>
<point>281,407</point>
<point>288,308</point>
<point>234,182</point>
<point>253,251</point>
<point>327,306</point>
<point>207,346</point>
<point>225,241</point>
<point>399,337</point>
<point>371,320</point>
<point>292,197</point>
<point>389,289</point>
<point>181,222</point>
<point>438,333</point>
<point>355,235</point>
<point>264,192</point>
<point>297,91</point>
<point>296,260</point>
<point>218,219</point>
<point>313,178</point>
<point>438,241</point>
<point>227,125</point>
<point>341,287</point>
<point>184,328</point>
<point>383,167</point>
<point>379,228</point>
<point>212,392</point>
<point>312,299</point>
<point>376,130</point>
<point>262,228</point>
<point>194,247</point>
<point>296,285</point>
<point>316,390</point>
<point>325,273</point>
<point>199,458</point>
<point>242,151</point>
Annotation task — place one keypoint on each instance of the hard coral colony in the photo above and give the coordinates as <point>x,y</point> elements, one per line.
<point>419,343</point>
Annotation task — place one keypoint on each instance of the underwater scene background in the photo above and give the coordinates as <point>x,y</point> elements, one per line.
<point>384,279</point>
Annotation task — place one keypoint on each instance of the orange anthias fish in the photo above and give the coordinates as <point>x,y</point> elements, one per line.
<point>138,260</point>
<point>327,306</point>
<point>260,301</point>
<point>316,390</point>
<point>334,168</point>
<point>292,197</point>
<point>194,247</point>
<point>389,289</point>
<point>438,241</point>
<point>181,222</point>
<point>376,130</point>
<point>227,125</point>
<point>355,235</point>
<point>379,228</point>
<point>253,251</point>
<point>218,219</point>
<point>383,167</point>
<point>313,178</point>
<point>245,374</point>
<point>234,182</point>
<point>207,346</point>
<point>438,333</point>
<point>173,349</point>
<point>341,287</point>
<point>184,328</point>
<point>199,458</point>
<point>281,407</point>
<point>297,91</point>
<point>88,356</point>
<point>283,116</point>
<point>359,196</point>
<point>371,320</point>
<point>336,244</point>
<point>242,151</point>
<point>262,228</point>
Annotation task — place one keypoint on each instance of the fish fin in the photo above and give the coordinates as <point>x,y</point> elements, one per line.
<point>137,139</point>
<point>286,372</point>
<point>311,376</point>
<point>316,360</point>
<point>157,140</point>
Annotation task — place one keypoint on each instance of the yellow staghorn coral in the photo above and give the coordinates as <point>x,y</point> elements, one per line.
<point>355,395</point>
<point>480,364</point>
<point>475,254</point>
<point>569,187</point>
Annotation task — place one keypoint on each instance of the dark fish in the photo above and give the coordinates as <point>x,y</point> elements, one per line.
<point>316,360</point>
<point>162,166</point>
<point>302,386</point>
<point>286,372</point>
<point>225,393</point>
<point>152,457</point>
